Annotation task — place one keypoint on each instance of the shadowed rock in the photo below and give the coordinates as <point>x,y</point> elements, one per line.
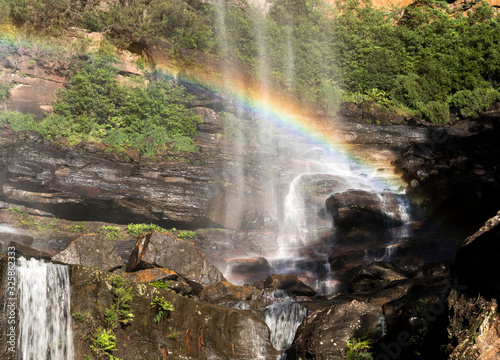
<point>92,251</point>
<point>325,333</point>
<point>290,283</point>
<point>363,209</point>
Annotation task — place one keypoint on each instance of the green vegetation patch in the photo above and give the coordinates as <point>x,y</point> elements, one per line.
<point>137,229</point>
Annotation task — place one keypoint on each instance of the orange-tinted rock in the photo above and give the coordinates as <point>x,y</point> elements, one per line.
<point>150,275</point>
<point>225,291</point>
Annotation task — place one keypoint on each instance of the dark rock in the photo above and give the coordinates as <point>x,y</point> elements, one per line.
<point>476,263</point>
<point>28,252</point>
<point>290,283</point>
<point>212,123</point>
<point>167,251</point>
<point>20,238</point>
<point>373,277</point>
<point>325,333</point>
<point>92,251</point>
<point>363,209</point>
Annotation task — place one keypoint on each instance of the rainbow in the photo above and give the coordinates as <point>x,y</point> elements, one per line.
<point>284,113</point>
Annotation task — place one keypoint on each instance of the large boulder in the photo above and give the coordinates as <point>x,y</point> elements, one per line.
<point>165,250</point>
<point>364,209</point>
<point>325,333</point>
<point>374,277</point>
<point>290,283</point>
<point>93,250</point>
<point>224,291</point>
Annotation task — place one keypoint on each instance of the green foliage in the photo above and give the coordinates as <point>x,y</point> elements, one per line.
<point>111,232</point>
<point>31,223</point>
<point>18,121</point>
<point>104,343</point>
<point>358,349</point>
<point>173,334</point>
<point>81,317</point>
<point>470,103</point>
<point>137,229</point>
<point>4,90</point>
<point>119,312</point>
<point>436,112</point>
<point>78,228</point>
<point>187,234</point>
<point>160,284</point>
<point>162,307</point>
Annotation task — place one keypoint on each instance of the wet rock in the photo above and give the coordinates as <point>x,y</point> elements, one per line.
<point>211,123</point>
<point>249,268</point>
<point>373,277</point>
<point>224,291</point>
<point>290,283</point>
<point>167,251</point>
<point>325,333</point>
<point>28,252</point>
<point>365,210</point>
<point>92,251</point>
<point>195,330</point>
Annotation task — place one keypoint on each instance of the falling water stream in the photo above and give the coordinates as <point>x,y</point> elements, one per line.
<point>44,311</point>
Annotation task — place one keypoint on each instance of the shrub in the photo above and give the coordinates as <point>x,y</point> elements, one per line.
<point>18,121</point>
<point>436,112</point>
<point>470,103</point>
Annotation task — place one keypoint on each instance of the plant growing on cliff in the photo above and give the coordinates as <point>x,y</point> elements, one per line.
<point>137,229</point>
<point>111,232</point>
<point>160,284</point>
<point>162,307</point>
<point>187,234</point>
<point>104,343</point>
<point>119,312</point>
<point>358,349</point>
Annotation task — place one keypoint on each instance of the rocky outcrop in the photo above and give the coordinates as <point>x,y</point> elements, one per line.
<point>167,251</point>
<point>224,291</point>
<point>364,209</point>
<point>373,277</point>
<point>193,330</point>
<point>325,333</point>
<point>85,185</point>
<point>474,328</point>
<point>94,251</point>
<point>290,283</point>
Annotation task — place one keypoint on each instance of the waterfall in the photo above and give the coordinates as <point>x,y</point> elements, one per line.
<point>44,311</point>
<point>283,319</point>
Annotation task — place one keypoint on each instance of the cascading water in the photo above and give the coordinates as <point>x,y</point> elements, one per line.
<point>44,311</point>
<point>283,317</point>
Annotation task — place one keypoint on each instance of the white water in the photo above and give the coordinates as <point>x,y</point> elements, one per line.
<point>283,319</point>
<point>44,311</point>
